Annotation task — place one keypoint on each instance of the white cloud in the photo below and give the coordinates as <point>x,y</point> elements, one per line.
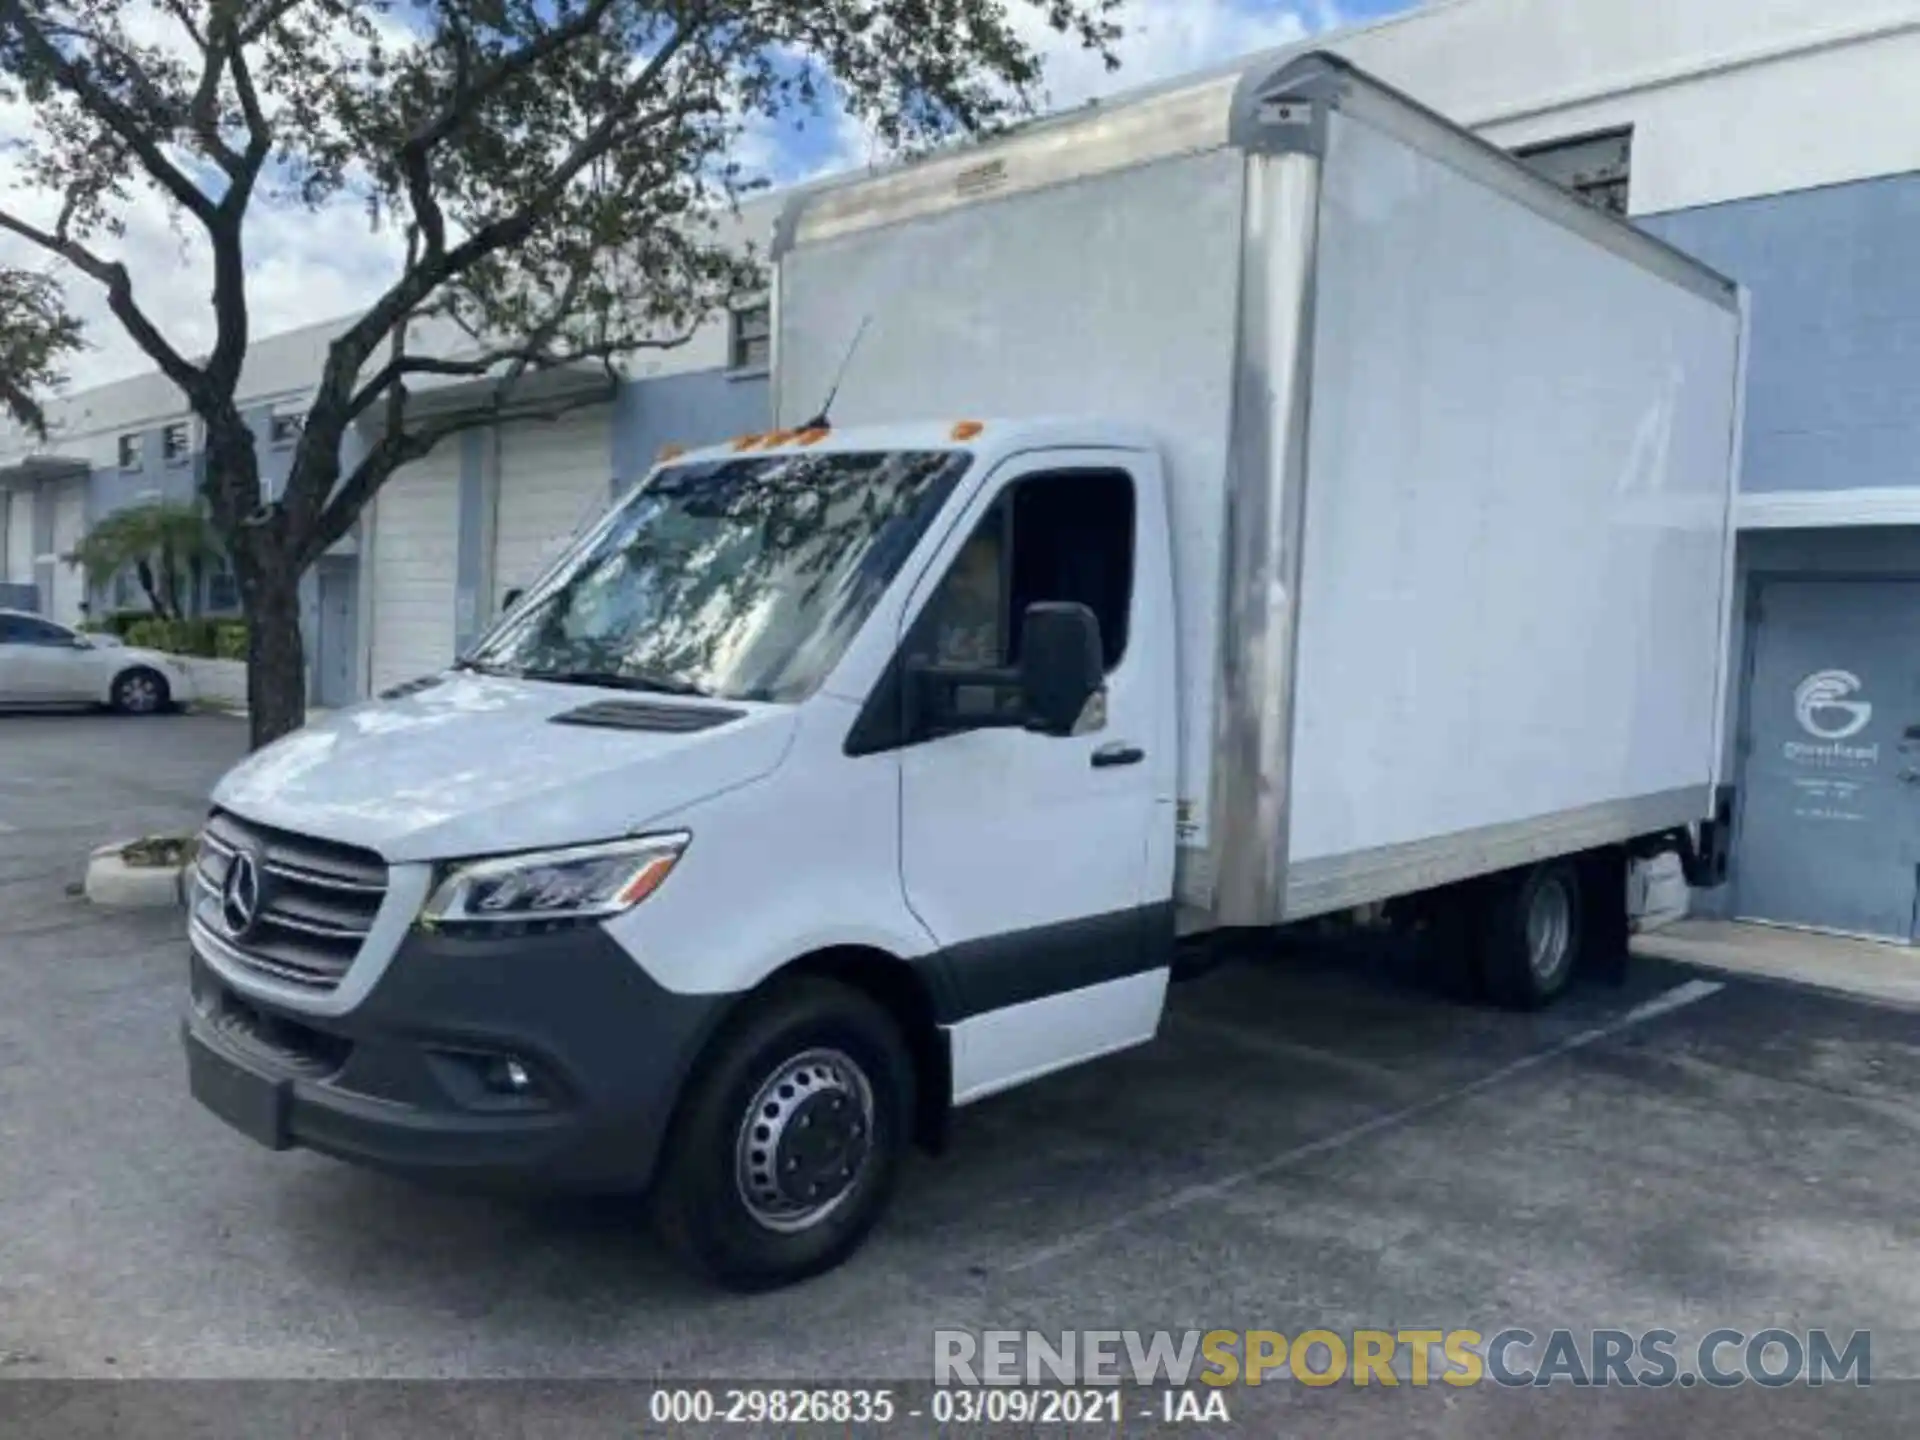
<point>1165,38</point>
<point>306,267</point>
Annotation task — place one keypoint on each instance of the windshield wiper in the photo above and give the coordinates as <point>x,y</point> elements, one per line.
<point>481,667</point>
<point>614,680</point>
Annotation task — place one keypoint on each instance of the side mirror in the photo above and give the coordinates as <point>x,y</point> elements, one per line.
<point>512,599</point>
<point>1061,664</point>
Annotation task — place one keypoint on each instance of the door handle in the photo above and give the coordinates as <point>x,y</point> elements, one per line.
<point>1110,757</point>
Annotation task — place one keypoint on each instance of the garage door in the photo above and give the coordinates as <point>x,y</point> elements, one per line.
<point>416,537</point>
<point>69,529</point>
<point>555,479</point>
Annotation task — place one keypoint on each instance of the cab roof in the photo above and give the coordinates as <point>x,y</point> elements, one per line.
<point>986,437</point>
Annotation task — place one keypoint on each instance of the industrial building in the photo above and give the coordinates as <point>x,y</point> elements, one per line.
<point>1779,140</point>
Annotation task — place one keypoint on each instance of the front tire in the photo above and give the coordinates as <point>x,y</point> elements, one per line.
<point>787,1142</point>
<point>141,691</point>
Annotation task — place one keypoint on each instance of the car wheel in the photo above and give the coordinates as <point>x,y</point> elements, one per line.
<point>141,691</point>
<point>786,1144</point>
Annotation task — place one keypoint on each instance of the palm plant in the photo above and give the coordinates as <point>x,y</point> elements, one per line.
<point>163,542</point>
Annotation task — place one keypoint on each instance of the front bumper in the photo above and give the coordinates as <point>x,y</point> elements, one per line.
<point>402,1082</point>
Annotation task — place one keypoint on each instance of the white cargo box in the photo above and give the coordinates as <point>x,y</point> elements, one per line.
<point>1451,455</point>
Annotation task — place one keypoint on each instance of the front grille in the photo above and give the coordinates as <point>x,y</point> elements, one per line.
<point>316,900</point>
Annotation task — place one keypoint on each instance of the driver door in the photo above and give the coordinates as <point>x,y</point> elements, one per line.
<point>1027,855</point>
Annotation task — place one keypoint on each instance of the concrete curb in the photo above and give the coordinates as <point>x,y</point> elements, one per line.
<point>113,884</point>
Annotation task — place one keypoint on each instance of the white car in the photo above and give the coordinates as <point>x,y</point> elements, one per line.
<point>42,663</point>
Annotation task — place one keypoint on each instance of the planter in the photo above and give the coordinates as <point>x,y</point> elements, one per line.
<point>146,874</point>
<point>218,683</point>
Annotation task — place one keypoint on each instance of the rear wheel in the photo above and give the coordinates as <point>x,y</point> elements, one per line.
<point>1530,946</point>
<point>141,691</point>
<point>785,1148</point>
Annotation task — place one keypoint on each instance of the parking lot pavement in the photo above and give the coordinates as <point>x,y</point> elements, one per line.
<point>1312,1143</point>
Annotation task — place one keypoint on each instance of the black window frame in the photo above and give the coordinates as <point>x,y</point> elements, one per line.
<point>284,428</point>
<point>750,353</point>
<point>1600,186</point>
<point>132,444</point>
<point>882,724</point>
<point>176,443</point>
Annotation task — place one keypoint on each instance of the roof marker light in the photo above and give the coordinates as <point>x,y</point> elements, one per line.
<point>967,430</point>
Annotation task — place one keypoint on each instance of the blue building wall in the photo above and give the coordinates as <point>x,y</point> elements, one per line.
<point>699,408</point>
<point>111,488</point>
<point>1833,399</point>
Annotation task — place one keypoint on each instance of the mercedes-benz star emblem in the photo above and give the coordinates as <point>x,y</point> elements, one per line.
<point>240,895</point>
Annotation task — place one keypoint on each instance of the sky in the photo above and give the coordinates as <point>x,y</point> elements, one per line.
<point>304,267</point>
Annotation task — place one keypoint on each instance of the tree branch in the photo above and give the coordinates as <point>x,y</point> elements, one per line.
<point>401,447</point>
<point>106,107</point>
<point>119,287</point>
<point>348,354</point>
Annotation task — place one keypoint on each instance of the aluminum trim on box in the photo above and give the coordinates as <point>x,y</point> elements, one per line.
<point>1266,510</point>
<point>1340,882</point>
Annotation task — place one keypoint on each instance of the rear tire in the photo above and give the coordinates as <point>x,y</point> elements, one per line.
<point>1531,941</point>
<point>788,1139</point>
<point>141,691</point>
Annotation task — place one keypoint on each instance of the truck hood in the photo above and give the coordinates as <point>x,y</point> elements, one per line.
<point>476,765</point>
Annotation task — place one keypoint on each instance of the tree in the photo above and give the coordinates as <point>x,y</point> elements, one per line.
<point>559,172</point>
<point>163,543</point>
<point>36,333</point>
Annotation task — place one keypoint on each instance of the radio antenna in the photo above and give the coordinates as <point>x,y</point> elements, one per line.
<point>824,420</point>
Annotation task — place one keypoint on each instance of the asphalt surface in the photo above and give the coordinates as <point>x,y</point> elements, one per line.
<point>1315,1142</point>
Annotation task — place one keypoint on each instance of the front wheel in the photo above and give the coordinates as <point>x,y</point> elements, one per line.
<point>785,1148</point>
<point>141,691</point>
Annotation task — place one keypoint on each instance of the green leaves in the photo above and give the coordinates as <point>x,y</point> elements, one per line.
<point>36,334</point>
<point>163,543</point>
<point>560,178</point>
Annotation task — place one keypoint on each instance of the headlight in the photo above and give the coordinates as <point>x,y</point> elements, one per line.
<point>584,882</point>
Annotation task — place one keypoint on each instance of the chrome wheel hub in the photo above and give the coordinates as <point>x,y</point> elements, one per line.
<point>805,1141</point>
<point>1549,928</point>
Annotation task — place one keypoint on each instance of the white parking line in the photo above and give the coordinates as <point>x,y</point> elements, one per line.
<point>1665,1003</point>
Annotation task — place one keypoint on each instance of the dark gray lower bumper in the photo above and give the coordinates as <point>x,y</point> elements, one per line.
<point>401,1082</point>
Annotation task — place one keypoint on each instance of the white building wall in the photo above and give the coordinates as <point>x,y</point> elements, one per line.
<point>1727,100</point>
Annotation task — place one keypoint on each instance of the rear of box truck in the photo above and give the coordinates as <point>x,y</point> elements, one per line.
<point>1515,565</point>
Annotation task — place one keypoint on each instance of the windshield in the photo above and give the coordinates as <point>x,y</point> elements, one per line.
<point>744,578</point>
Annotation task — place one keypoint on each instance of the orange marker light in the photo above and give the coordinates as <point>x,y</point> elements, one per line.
<point>646,879</point>
<point>778,438</point>
<point>670,453</point>
<point>747,442</point>
<point>967,430</point>
<point>811,437</point>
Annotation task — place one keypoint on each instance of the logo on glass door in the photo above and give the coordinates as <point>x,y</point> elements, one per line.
<point>1820,704</point>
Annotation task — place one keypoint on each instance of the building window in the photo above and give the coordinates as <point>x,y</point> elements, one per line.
<point>223,592</point>
<point>284,430</point>
<point>125,596</point>
<point>175,443</point>
<point>750,345</point>
<point>130,451</point>
<point>1594,167</point>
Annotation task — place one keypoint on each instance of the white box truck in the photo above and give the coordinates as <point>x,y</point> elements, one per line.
<point>1259,501</point>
